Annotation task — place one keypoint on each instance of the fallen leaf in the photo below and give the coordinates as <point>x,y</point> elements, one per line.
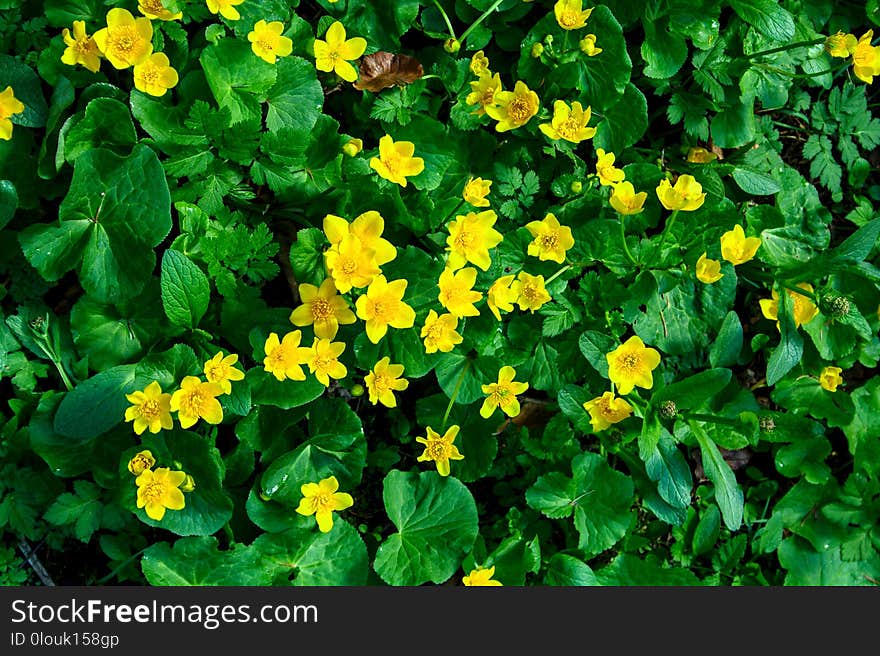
<point>385,69</point>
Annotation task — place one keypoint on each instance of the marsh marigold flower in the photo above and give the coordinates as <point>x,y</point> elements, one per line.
<point>866,58</point>
<point>156,10</point>
<point>9,106</point>
<point>368,228</point>
<point>155,75</point>
<point>81,48</point>
<point>322,358</point>
<point>513,109</point>
<point>159,490</point>
<point>625,200</point>
<point>225,8</point>
<point>283,357</point>
<point>353,146</point>
<point>151,408</point>
<point>350,264</point>
<point>588,45</point>
<point>197,399</point>
<point>699,155</point>
<point>687,194</point>
<point>475,192</point>
<point>609,175</point>
<point>471,236</point>
<point>606,410</point>
<point>383,380</point>
<point>440,449</point>
<point>479,64</point>
<point>456,292</point>
<point>551,239</point>
<point>323,308</point>
<point>321,499</point>
<point>126,40</point>
<point>483,92</point>
<point>481,577</point>
<point>570,14</point>
<point>267,42</point>
<point>532,293</point>
<point>396,162</point>
<point>439,334</point>
<point>382,306</point>
<point>736,248</point>
<point>502,295</point>
<point>221,370</point>
<point>140,462</point>
<point>569,123</point>
<point>841,44</point>
<point>804,309</point>
<point>336,52</point>
<point>830,378</point>
<point>631,364</point>
<point>708,271</point>
<point>503,394</point>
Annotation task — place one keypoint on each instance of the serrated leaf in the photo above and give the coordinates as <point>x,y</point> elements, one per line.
<point>185,289</point>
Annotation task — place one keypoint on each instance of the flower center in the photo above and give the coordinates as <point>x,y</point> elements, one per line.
<point>380,309</point>
<point>569,128</point>
<point>278,358</point>
<point>501,392</point>
<point>322,501</point>
<point>392,163</point>
<point>519,110</point>
<point>530,291</point>
<point>192,403</point>
<point>150,409</point>
<point>154,492</point>
<point>123,40</point>
<point>321,309</point>
<point>217,372</point>
<point>265,44</point>
<point>150,75</point>
<point>349,266</point>
<point>629,361</point>
<point>464,239</point>
<point>435,333</point>
<point>550,241</point>
<point>569,18</point>
<point>382,383</point>
<point>437,450</point>
<point>322,362</point>
<point>488,96</point>
<point>83,46</point>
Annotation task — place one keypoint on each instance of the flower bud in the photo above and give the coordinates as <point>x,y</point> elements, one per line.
<point>668,409</point>
<point>766,424</point>
<point>452,46</point>
<point>548,40</point>
<point>188,484</point>
<point>357,390</point>
<point>577,187</point>
<point>141,462</point>
<point>537,50</point>
<point>353,147</point>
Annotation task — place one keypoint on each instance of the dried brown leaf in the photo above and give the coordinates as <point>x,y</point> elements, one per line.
<point>385,69</point>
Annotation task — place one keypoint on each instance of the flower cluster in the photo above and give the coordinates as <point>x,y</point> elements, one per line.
<point>865,57</point>
<point>511,109</point>
<point>158,489</point>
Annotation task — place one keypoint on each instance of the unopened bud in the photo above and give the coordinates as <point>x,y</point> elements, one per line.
<point>188,485</point>
<point>452,46</point>
<point>668,409</point>
<point>353,147</point>
<point>577,187</point>
<point>548,40</point>
<point>537,50</point>
<point>357,390</point>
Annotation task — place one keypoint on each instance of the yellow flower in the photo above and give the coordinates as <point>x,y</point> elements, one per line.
<point>513,109</point>
<point>323,308</point>
<point>608,174</point>
<point>481,576</point>
<point>155,9</point>
<point>588,45</point>
<point>283,358</point>
<point>686,195</point>
<point>383,306</point>
<point>569,123</point>
<point>440,449</point>
<point>159,489</point>
<point>708,271</point>
<point>155,75</point>
<point>570,14</point>
<point>804,309</point>
<point>551,240</point>
<point>151,409</point>
<point>502,295</point>
<point>479,64</point>
<point>383,381</point>
<point>606,410</point>
<point>866,58</point>
<point>126,40</point>
<point>221,370</point>
<point>475,192</point>
<point>841,45</point>
<point>830,378</point>
<point>699,155</point>
<point>267,42</point>
<point>396,161</point>
<point>470,238</point>
<point>81,48</point>
<point>503,394</point>
<point>631,364</point>
<point>353,147</point>
<point>321,500</point>
<point>532,293</point>
<point>226,8</point>
<point>456,292</point>
<point>439,333</point>
<point>322,359</point>
<point>367,227</point>
<point>197,399</point>
<point>736,248</point>
<point>350,264</point>
<point>335,53</point>
<point>484,91</point>
<point>9,105</point>
<point>142,461</point>
<point>625,200</point>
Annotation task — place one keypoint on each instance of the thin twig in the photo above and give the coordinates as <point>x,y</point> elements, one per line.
<point>30,555</point>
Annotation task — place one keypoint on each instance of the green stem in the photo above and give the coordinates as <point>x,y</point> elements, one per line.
<point>711,419</point>
<point>446,20</point>
<point>558,273</point>
<point>125,562</point>
<point>458,383</point>
<point>479,20</point>
<point>67,382</point>
<point>666,230</point>
<point>798,290</point>
<point>623,241</point>
<point>790,46</point>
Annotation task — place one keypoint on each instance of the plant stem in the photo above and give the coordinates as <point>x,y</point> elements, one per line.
<point>481,18</point>
<point>790,46</point>
<point>711,419</point>
<point>623,241</point>
<point>446,20</point>
<point>455,392</point>
<point>666,230</point>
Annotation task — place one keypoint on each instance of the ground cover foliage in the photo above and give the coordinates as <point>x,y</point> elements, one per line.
<point>439,292</point>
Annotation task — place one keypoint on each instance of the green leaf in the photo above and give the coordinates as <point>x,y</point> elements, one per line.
<point>734,126</point>
<point>96,405</point>
<point>83,509</point>
<point>595,346</point>
<point>286,394</point>
<point>854,248</point>
<point>197,561</point>
<point>663,52</point>
<point>106,123</point>
<point>788,352</point>
<point>8,202</point>
<point>693,391</point>
<point>729,342</point>
<point>630,570</point>
<point>565,570</point>
<point>728,493</point>
<point>185,289</point>
<point>767,16</point>
<point>27,89</point>
<point>707,531</point>
<point>296,99</point>
<point>806,567</point>
<point>238,79</point>
<point>436,521</point>
<point>307,256</point>
<point>667,467</point>
<point>754,182</point>
<point>625,123</point>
